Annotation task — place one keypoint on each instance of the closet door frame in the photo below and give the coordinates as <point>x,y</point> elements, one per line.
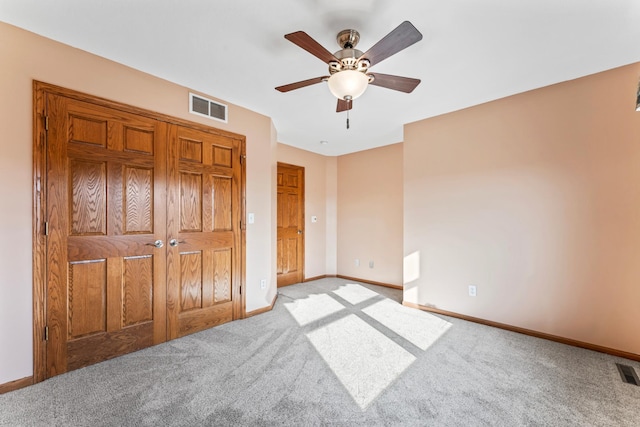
<point>39,229</point>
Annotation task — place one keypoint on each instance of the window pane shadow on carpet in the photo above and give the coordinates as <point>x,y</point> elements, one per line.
<point>363,355</point>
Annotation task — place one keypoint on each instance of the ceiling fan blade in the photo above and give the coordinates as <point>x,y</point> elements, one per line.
<point>298,85</point>
<point>344,105</point>
<point>403,84</point>
<point>402,37</point>
<point>305,41</point>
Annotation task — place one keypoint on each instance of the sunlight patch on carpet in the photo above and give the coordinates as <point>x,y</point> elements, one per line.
<point>364,360</point>
<point>312,308</point>
<point>355,294</point>
<point>419,328</point>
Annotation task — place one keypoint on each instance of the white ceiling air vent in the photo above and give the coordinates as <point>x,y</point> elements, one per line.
<point>205,107</point>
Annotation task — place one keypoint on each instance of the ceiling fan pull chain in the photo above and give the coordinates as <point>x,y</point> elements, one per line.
<point>347,119</point>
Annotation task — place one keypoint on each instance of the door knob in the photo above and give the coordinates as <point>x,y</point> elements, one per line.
<point>157,244</point>
<point>299,231</point>
<point>174,242</point>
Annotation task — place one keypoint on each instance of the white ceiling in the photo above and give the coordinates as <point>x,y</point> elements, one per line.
<point>473,51</point>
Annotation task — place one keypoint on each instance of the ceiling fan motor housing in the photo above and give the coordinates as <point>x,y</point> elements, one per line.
<point>348,61</point>
<point>348,55</point>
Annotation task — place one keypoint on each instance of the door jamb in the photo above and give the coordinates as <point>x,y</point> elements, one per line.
<point>39,236</point>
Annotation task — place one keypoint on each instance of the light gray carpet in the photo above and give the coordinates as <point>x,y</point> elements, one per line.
<point>337,353</point>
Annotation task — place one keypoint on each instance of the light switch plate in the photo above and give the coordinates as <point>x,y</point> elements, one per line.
<point>251,218</point>
<point>314,218</point>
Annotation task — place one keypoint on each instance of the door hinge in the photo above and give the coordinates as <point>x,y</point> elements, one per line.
<point>46,228</point>
<point>240,290</point>
<point>46,122</point>
<point>241,225</point>
<point>46,333</point>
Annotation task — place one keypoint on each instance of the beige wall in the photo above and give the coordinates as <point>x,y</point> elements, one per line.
<point>26,57</point>
<point>535,199</point>
<point>331,266</point>
<point>370,214</point>
<point>319,194</point>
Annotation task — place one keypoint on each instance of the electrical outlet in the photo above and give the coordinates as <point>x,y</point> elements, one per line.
<point>357,262</point>
<point>370,264</point>
<point>263,284</point>
<point>472,290</point>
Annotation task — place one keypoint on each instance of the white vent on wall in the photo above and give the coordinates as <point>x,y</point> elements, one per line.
<point>207,108</point>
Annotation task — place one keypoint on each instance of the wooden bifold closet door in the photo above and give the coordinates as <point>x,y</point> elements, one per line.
<point>143,237</point>
<point>203,230</point>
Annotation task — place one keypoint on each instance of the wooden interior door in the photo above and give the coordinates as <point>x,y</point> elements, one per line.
<point>204,230</point>
<point>290,264</point>
<point>105,209</point>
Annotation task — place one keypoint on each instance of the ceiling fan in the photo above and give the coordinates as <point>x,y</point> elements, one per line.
<point>349,73</point>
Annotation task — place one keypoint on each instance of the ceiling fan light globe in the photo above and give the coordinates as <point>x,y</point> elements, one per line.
<point>348,84</point>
